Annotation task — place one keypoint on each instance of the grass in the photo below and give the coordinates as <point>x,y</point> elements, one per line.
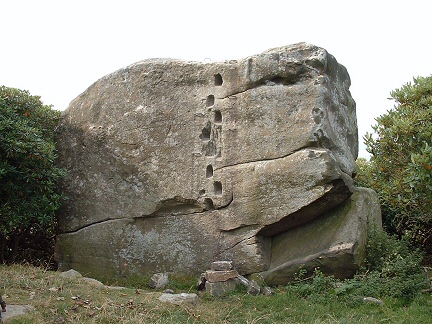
<point>60,300</point>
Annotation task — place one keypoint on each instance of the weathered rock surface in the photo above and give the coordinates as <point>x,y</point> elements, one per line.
<point>158,280</point>
<point>70,274</point>
<point>16,310</point>
<point>253,288</point>
<point>175,164</point>
<point>335,242</point>
<point>220,275</point>
<point>219,289</point>
<point>221,265</point>
<point>180,299</point>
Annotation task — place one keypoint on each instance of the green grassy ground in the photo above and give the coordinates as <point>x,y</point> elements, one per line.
<point>60,300</point>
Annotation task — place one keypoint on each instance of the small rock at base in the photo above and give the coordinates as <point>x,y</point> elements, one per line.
<point>373,300</point>
<point>253,288</point>
<point>218,276</point>
<point>71,274</point>
<point>179,299</point>
<point>243,280</point>
<point>221,265</point>
<point>158,280</point>
<point>16,310</point>
<point>218,289</point>
<point>93,282</point>
<point>267,291</point>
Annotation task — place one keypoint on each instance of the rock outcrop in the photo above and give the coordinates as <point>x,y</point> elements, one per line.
<point>175,164</point>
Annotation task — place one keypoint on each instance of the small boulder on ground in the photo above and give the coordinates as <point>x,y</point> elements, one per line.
<point>93,282</point>
<point>158,280</point>
<point>179,299</point>
<point>16,310</point>
<point>218,289</point>
<point>373,300</point>
<point>220,275</point>
<point>253,288</point>
<point>70,274</point>
<point>221,265</point>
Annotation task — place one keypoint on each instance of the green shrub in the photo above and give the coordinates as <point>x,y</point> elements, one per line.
<point>400,168</point>
<point>392,269</point>
<point>28,176</point>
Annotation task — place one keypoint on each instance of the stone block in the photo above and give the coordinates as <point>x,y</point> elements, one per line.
<point>221,265</point>
<point>222,275</point>
<point>158,280</point>
<point>253,288</point>
<point>218,289</point>
<point>179,299</point>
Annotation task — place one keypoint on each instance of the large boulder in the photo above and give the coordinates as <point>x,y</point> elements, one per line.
<point>175,164</point>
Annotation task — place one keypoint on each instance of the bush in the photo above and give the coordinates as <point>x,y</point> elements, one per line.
<point>392,269</point>
<point>28,176</point>
<point>400,168</point>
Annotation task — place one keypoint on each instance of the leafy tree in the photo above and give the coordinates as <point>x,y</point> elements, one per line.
<point>400,168</point>
<point>28,175</point>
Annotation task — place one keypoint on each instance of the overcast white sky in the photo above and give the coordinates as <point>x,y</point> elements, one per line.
<point>56,49</point>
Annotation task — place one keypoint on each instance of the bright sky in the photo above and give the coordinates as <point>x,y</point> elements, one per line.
<point>56,49</point>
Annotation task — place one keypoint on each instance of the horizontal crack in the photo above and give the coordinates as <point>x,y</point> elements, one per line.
<point>258,84</point>
<point>267,159</point>
<point>155,214</point>
<point>158,215</point>
<point>240,227</point>
<point>107,220</point>
<point>164,210</point>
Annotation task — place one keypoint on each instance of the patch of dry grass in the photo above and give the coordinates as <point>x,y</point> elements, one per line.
<point>60,300</point>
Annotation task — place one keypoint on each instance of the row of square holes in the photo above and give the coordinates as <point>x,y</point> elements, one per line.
<point>217,114</point>
<point>217,185</point>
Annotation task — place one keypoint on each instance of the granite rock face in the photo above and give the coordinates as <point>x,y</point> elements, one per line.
<point>335,242</point>
<point>175,164</point>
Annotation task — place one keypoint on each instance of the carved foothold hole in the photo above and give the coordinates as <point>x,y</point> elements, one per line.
<point>317,115</point>
<point>205,133</point>
<point>217,186</point>
<point>208,204</point>
<point>209,171</point>
<point>278,80</point>
<point>210,101</point>
<point>202,192</point>
<point>218,80</point>
<point>217,117</point>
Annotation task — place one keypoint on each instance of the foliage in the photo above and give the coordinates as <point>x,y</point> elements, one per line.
<point>28,175</point>
<point>400,168</point>
<point>392,271</point>
<point>392,268</point>
<point>363,174</point>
